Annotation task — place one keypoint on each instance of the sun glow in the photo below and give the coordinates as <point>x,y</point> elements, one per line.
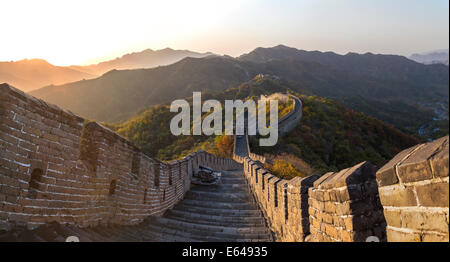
<point>85,31</point>
<point>80,32</point>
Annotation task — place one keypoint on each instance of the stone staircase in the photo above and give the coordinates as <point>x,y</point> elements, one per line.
<point>223,213</point>
<point>227,212</point>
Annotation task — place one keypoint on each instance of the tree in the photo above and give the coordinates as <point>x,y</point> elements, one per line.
<point>224,145</point>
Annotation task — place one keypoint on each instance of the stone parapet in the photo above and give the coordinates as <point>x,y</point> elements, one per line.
<point>56,166</point>
<point>414,191</point>
<point>344,206</point>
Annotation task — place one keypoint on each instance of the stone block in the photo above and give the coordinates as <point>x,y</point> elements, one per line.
<point>398,196</point>
<point>393,218</point>
<point>432,237</point>
<point>416,166</point>
<point>424,220</point>
<point>332,231</point>
<point>343,209</point>
<point>399,236</point>
<point>346,236</point>
<point>386,175</point>
<point>320,180</point>
<point>433,195</point>
<point>439,161</point>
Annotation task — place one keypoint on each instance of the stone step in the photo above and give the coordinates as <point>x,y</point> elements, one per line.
<point>218,211</point>
<point>233,182</point>
<point>150,235</point>
<point>93,236</point>
<point>222,191</point>
<point>170,235</point>
<point>29,237</point>
<point>220,205</point>
<point>231,175</point>
<point>227,188</point>
<point>232,221</point>
<point>187,226</point>
<point>128,234</point>
<point>204,233</point>
<point>104,232</point>
<point>217,196</point>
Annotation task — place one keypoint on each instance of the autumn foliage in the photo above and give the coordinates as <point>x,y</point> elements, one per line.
<point>224,146</point>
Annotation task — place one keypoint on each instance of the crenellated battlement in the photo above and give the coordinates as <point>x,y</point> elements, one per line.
<point>405,200</point>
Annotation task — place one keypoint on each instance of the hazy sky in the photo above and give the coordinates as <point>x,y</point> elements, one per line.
<point>78,31</point>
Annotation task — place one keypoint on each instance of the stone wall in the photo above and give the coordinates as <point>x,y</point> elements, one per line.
<point>414,192</point>
<point>56,166</point>
<point>291,120</point>
<point>405,200</point>
<point>284,97</point>
<point>257,157</point>
<point>284,203</point>
<point>341,206</point>
<point>344,206</point>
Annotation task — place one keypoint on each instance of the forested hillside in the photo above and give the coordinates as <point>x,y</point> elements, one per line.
<point>332,137</point>
<point>329,136</point>
<point>150,130</point>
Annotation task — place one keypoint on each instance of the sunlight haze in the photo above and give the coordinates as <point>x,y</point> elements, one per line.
<point>85,32</point>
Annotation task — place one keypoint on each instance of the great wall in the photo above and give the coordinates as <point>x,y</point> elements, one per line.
<point>61,175</point>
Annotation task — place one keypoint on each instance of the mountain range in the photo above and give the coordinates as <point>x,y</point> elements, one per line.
<point>30,74</point>
<point>432,57</point>
<point>392,88</point>
<point>145,59</point>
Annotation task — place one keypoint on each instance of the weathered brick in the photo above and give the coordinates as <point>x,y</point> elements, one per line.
<point>327,218</point>
<point>399,236</point>
<point>386,175</point>
<point>439,161</point>
<point>432,237</point>
<point>398,196</point>
<point>416,167</point>
<point>76,194</point>
<point>332,231</point>
<point>346,236</point>
<point>424,220</point>
<point>330,207</point>
<point>393,218</point>
<point>433,195</point>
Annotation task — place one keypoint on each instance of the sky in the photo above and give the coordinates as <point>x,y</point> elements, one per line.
<point>83,32</point>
